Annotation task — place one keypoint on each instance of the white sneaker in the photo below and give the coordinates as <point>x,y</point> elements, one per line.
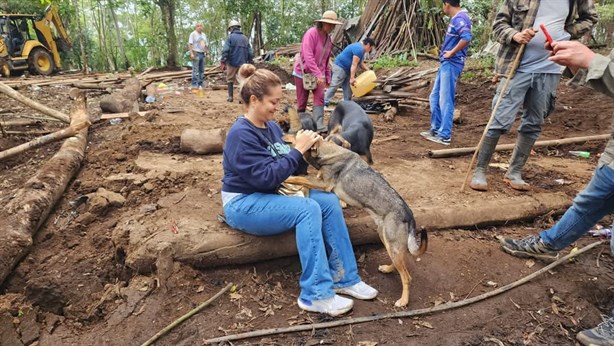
<point>359,291</point>
<point>334,306</point>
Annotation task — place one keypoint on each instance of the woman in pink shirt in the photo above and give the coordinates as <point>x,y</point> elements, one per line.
<point>313,59</point>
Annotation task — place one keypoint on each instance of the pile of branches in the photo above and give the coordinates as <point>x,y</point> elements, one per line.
<point>402,25</point>
<point>400,88</point>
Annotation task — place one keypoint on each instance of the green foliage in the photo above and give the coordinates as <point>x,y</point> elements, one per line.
<point>606,12</point>
<point>393,61</point>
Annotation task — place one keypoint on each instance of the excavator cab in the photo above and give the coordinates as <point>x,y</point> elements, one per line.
<point>29,43</point>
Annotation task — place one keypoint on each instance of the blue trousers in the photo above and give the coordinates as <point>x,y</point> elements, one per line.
<point>198,67</point>
<point>589,206</point>
<point>322,238</point>
<point>442,99</point>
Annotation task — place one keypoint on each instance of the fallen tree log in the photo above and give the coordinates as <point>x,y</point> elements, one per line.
<point>203,141</point>
<point>29,207</point>
<point>9,123</point>
<point>123,100</point>
<point>8,91</point>
<point>205,244</point>
<point>437,154</point>
<point>70,131</point>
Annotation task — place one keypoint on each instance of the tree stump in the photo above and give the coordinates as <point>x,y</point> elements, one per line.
<point>123,100</point>
<point>203,141</point>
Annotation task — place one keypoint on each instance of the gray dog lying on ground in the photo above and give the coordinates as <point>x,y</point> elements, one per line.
<point>356,183</point>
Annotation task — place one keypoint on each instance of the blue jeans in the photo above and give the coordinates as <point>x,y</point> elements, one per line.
<point>340,78</point>
<point>589,206</point>
<point>322,238</point>
<point>442,99</point>
<point>198,66</point>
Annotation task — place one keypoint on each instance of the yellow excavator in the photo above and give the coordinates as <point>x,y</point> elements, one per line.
<point>27,42</point>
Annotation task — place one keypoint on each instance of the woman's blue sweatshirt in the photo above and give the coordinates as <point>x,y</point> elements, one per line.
<point>257,159</point>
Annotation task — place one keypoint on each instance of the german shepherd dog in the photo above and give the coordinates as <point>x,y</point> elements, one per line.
<point>356,183</point>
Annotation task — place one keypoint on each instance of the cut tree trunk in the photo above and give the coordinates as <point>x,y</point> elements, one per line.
<point>29,207</point>
<point>207,243</point>
<point>123,100</point>
<point>203,141</point>
<point>8,91</point>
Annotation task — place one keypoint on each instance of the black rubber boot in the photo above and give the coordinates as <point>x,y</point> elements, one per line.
<point>478,182</point>
<point>521,154</point>
<point>230,91</point>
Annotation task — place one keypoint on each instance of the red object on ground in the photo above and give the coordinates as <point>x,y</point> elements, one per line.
<point>548,37</point>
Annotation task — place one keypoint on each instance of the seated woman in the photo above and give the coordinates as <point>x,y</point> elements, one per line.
<point>256,161</point>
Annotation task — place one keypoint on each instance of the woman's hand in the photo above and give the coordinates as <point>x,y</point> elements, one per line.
<point>305,139</point>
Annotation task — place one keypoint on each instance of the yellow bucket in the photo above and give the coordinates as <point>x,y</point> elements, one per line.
<point>364,83</point>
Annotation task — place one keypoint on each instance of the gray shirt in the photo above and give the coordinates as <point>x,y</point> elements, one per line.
<point>551,13</point>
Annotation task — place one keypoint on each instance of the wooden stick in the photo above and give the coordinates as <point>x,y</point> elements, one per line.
<point>186,316</point>
<point>410,313</point>
<point>19,122</point>
<point>8,91</point>
<point>145,72</point>
<point>509,77</point>
<point>52,137</point>
<point>436,154</point>
<point>36,118</point>
<point>120,115</point>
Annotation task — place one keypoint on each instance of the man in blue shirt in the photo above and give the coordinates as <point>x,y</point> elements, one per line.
<point>344,68</point>
<point>236,52</point>
<point>452,58</point>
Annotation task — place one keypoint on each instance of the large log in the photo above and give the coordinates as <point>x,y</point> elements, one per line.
<point>8,91</point>
<point>437,154</point>
<point>123,100</point>
<point>204,243</point>
<point>203,141</point>
<point>29,207</point>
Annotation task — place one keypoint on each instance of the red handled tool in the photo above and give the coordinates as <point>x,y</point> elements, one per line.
<point>548,37</point>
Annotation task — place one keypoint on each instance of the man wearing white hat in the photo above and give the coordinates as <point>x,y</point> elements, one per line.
<point>311,69</point>
<point>236,52</point>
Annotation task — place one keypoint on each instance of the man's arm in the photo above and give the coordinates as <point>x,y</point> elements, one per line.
<point>355,61</point>
<point>587,18</point>
<point>502,29</point>
<point>190,46</point>
<point>364,66</point>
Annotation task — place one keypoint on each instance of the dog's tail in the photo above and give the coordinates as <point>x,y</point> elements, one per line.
<point>413,248</point>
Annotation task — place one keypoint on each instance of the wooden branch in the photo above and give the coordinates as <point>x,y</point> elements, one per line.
<point>37,118</point>
<point>437,154</point>
<point>145,72</point>
<point>94,86</point>
<point>401,314</point>
<point>9,123</point>
<point>121,115</point>
<point>29,207</point>
<point>8,91</point>
<point>187,316</point>
<point>52,137</point>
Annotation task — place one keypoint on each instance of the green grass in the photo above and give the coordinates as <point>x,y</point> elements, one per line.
<point>394,61</point>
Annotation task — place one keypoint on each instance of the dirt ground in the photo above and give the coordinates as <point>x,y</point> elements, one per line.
<point>75,289</point>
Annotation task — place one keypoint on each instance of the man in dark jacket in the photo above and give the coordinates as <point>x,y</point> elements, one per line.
<point>237,51</point>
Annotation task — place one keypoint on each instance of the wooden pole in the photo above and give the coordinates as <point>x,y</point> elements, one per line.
<point>52,137</point>
<point>8,91</point>
<point>509,77</point>
<point>437,154</point>
<point>400,314</point>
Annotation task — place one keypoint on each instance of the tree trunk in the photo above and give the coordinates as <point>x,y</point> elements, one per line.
<point>203,141</point>
<point>205,243</point>
<point>123,100</point>
<point>168,16</point>
<point>120,40</point>
<point>24,214</point>
<point>80,34</point>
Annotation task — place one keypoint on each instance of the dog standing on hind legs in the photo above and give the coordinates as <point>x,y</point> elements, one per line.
<point>356,183</point>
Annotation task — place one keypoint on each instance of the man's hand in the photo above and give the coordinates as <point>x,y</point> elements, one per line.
<point>352,81</point>
<point>192,55</point>
<point>524,36</point>
<point>321,81</point>
<point>447,54</point>
<point>223,66</point>
<point>572,54</point>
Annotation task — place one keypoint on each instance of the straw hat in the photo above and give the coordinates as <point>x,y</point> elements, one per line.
<point>329,17</point>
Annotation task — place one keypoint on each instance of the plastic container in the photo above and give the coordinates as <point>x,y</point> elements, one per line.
<point>584,154</point>
<point>115,121</point>
<point>364,83</point>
